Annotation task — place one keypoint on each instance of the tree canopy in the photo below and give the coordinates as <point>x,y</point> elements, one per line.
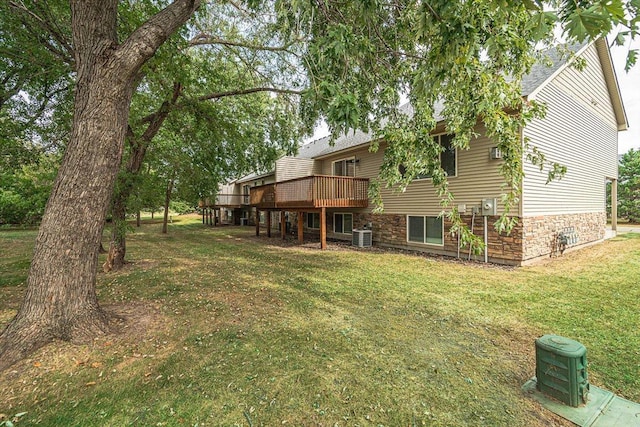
<point>459,63</point>
<point>629,186</point>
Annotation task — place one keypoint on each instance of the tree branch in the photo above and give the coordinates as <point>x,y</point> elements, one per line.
<point>64,51</point>
<point>7,94</point>
<point>146,39</point>
<point>204,39</point>
<point>240,92</point>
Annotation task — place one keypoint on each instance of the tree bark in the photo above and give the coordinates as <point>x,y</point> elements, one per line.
<point>126,182</point>
<point>167,199</point>
<point>60,300</point>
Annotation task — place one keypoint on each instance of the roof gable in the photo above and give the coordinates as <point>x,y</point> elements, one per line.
<point>533,83</point>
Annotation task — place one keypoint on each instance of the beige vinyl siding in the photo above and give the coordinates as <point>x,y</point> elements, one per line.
<point>230,189</point>
<point>573,135</point>
<point>292,168</point>
<point>477,177</point>
<point>588,87</point>
<point>269,179</point>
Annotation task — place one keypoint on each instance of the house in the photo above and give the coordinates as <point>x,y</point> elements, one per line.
<point>231,205</point>
<point>324,188</point>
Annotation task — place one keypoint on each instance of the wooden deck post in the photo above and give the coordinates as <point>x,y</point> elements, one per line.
<point>283,225</point>
<point>323,228</point>
<point>300,227</point>
<point>257,222</point>
<point>268,214</point>
<point>203,211</point>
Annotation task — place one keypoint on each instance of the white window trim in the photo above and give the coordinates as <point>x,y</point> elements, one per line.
<point>344,159</point>
<point>424,238</point>
<point>350,232</point>
<point>440,158</point>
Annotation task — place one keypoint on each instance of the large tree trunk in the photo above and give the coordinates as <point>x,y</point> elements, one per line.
<point>61,301</point>
<point>126,182</point>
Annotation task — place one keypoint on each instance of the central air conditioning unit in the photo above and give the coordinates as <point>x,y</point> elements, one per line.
<point>361,238</point>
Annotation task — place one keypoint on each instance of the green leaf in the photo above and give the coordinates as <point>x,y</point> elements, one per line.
<point>615,8</point>
<point>541,24</point>
<point>632,58</point>
<point>532,5</point>
<point>620,38</point>
<point>582,24</point>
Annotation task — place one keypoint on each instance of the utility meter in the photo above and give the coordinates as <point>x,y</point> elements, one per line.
<point>489,207</point>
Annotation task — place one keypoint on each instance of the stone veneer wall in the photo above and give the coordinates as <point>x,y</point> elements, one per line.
<point>391,230</point>
<point>531,238</point>
<point>541,232</point>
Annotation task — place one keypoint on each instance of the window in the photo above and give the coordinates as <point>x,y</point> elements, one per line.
<point>245,194</point>
<point>425,229</point>
<point>448,160</point>
<point>448,156</point>
<point>313,220</point>
<point>342,223</point>
<point>263,218</point>
<point>344,167</point>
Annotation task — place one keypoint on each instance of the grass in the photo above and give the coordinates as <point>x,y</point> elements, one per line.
<point>227,329</point>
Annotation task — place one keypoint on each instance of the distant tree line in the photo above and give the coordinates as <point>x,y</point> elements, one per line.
<point>629,186</point>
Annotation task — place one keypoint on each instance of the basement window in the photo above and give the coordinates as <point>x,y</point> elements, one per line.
<point>425,229</point>
<point>342,223</point>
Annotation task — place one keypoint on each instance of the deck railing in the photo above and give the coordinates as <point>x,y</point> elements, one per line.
<point>263,196</point>
<point>222,200</point>
<point>313,192</point>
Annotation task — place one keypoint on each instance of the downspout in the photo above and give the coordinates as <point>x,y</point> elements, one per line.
<point>473,220</point>
<point>486,250</point>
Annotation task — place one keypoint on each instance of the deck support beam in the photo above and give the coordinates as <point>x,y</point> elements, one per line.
<point>283,225</point>
<point>323,228</point>
<point>300,227</point>
<point>257,223</point>
<point>268,215</point>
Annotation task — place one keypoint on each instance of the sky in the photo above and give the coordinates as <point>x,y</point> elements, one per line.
<point>630,88</point>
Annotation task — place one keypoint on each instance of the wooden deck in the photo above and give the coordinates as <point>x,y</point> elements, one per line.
<point>312,192</point>
<point>225,201</point>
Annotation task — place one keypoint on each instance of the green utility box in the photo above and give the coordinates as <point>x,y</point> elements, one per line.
<point>561,369</point>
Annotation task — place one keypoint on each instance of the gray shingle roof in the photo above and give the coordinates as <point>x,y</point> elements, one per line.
<point>322,147</point>
<point>541,71</point>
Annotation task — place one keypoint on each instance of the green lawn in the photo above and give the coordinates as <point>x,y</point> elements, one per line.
<point>228,329</point>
